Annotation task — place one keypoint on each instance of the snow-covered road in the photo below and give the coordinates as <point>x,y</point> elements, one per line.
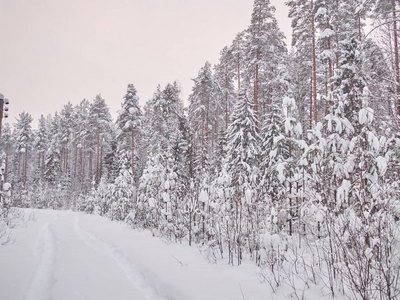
<point>68,255</point>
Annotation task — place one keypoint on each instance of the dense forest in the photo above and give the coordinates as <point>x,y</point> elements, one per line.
<point>287,157</point>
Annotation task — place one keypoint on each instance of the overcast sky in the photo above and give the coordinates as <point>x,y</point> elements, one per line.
<point>55,51</point>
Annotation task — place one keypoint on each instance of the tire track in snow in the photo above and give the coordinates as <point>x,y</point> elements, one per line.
<point>42,281</point>
<point>121,260</point>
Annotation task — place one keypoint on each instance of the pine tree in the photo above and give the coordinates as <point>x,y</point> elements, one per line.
<point>302,75</point>
<point>223,75</point>
<point>265,54</point>
<point>99,123</point>
<point>81,138</point>
<point>41,143</point>
<point>239,46</point>
<point>66,125</point>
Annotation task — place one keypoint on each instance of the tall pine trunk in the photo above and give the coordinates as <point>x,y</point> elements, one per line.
<point>25,166</point>
<point>256,91</point>
<point>207,125</point>
<point>42,167</point>
<point>202,134</point>
<point>98,156</point>
<point>238,76</point>
<point>328,26</point>
<point>101,163</point>
<point>396,58</point>
<point>83,158</point>
<point>226,109</point>
<point>75,163</point>
<point>65,160</point>
<point>40,164</point>
<point>311,101</point>
<point>314,64</point>
<point>133,154</point>
<point>90,171</point>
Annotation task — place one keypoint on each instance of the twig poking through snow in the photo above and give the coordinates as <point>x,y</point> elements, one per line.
<point>182,264</point>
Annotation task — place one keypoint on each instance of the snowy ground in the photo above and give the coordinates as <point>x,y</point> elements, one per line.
<point>69,255</point>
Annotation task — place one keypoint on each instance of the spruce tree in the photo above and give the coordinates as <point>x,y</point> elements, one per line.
<point>129,123</point>
<point>242,161</point>
<point>52,173</point>
<point>201,107</point>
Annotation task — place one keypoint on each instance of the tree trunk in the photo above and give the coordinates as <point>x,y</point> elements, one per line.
<point>207,125</point>
<point>42,168</point>
<point>75,164</point>
<point>238,75</point>
<point>66,161</point>
<point>40,164</point>
<point>25,165</point>
<point>328,26</point>
<point>396,58</point>
<point>133,153</point>
<point>256,91</point>
<point>226,109</point>
<point>314,63</point>
<point>290,189</point>
<point>98,156</point>
<point>90,166</point>
<point>83,158</point>
<point>311,102</point>
<point>62,161</point>
<point>81,164</point>
<point>215,137</point>
<point>101,163</point>
<point>202,134</point>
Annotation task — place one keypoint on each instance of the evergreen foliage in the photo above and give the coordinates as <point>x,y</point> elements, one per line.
<point>253,166</point>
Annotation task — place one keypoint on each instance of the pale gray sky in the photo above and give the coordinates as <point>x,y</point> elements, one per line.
<point>55,51</point>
